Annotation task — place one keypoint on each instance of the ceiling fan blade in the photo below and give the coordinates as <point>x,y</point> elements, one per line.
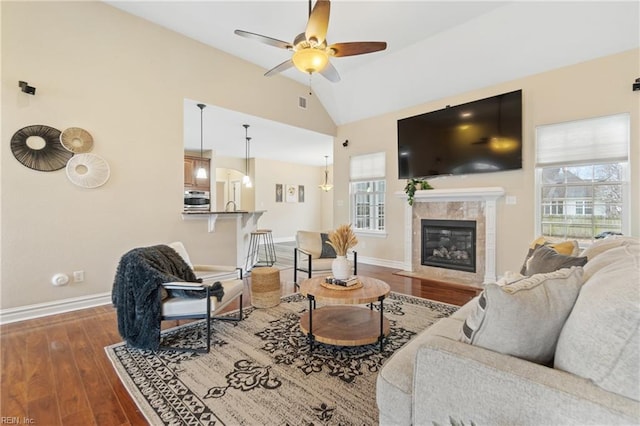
<point>279,68</point>
<point>318,22</point>
<point>330,73</point>
<point>264,39</point>
<point>356,48</point>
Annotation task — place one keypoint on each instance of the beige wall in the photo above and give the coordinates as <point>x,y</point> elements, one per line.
<point>595,88</point>
<point>284,219</point>
<point>124,80</point>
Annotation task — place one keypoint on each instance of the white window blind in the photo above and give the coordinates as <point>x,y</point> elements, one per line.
<point>601,138</point>
<point>367,166</point>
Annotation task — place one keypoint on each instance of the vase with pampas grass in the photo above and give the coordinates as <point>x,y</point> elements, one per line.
<point>342,239</point>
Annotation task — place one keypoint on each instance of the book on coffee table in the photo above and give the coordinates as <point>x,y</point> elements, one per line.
<point>353,280</point>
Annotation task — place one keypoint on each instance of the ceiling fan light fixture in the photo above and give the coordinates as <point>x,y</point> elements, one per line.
<point>310,60</point>
<point>311,51</point>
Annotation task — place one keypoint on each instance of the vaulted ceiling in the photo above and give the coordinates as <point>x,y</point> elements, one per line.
<point>435,48</point>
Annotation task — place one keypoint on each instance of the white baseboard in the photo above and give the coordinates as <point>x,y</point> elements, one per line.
<point>23,313</point>
<point>396,264</point>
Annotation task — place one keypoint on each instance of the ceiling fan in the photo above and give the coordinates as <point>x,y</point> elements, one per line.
<point>310,49</point>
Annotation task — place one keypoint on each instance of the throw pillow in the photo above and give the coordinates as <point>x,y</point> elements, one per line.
<point>327,250</point>
<point>524,319</point>
<point>546,259</point>
<point>568,247</point>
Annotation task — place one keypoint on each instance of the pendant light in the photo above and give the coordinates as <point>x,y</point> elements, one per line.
<point>202,172</point>
<point>246,180</point>
<point>326,186</point>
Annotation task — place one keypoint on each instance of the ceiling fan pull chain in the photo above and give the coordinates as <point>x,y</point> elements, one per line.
<point>310,84</point>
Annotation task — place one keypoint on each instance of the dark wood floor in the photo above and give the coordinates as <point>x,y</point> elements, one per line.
<point>54,370</point>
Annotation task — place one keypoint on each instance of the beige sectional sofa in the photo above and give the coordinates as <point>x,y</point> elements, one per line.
<point>592,377</point>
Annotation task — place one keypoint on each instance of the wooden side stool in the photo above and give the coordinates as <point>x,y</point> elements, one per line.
<point>265,287</point>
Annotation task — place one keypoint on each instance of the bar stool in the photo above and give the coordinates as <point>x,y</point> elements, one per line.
<point>254,257</point>
<point>270,248</point>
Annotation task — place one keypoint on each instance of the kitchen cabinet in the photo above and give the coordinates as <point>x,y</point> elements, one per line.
<point>191,166</point>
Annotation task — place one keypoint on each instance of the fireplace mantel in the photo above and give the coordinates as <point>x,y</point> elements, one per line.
<point>488,195</point>
<point>458,194</point>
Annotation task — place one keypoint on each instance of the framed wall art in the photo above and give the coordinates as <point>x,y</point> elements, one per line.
<point>279,192</point>
<point>301,193</point>
<point>291,193</point>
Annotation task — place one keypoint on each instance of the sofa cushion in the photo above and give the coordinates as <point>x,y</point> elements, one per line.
<point>600,340</point>
<point>546,259</point>
<point>566,247</point>
<point>600,246</point>
<point>524,319</point>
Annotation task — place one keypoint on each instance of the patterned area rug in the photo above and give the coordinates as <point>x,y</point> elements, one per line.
<point>262,371</point>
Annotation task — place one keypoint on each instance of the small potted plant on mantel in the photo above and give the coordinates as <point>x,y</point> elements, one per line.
<point>414,185</point>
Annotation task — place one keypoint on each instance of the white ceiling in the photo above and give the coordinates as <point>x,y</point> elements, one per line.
<point>435,49</point>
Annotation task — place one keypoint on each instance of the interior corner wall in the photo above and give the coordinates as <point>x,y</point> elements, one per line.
<point>285,218</point>
<point>124,80</point>
<point>591,89</point>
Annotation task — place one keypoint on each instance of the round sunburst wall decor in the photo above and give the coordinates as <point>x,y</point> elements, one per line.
<point>88,170</point>
<point>38,147</point>
<point>76,140</point>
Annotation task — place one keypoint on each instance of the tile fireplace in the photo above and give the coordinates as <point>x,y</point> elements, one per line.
<point>474,265</point>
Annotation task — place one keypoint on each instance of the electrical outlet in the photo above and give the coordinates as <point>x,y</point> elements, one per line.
<point>511,199</point>
<point>78,276</point>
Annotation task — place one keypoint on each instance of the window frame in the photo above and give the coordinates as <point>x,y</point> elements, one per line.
<point>369,168</point>
<point>373,216</point>
<point>624,184</point>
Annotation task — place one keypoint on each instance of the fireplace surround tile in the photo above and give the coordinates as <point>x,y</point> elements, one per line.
<point>460,210</point>
<point>477,204</point>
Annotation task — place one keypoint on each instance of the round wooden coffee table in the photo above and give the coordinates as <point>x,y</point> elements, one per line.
<point>337,324</point>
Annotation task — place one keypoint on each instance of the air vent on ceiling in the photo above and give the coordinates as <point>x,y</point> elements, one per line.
<point>302,102</point>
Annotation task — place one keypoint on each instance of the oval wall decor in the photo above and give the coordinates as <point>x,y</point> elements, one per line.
<point>76,140</point>
<point>88,170</point>
<point>38,147</point>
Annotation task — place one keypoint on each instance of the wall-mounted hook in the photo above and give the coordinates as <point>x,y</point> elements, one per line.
<point>30,90</point>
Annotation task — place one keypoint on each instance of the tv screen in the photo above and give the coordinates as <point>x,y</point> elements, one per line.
<point>476,137</point>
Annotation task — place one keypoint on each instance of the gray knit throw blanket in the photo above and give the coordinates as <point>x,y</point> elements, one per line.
<point>137,295</point>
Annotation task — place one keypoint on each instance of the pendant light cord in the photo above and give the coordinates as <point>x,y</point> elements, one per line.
<point>201,106</point>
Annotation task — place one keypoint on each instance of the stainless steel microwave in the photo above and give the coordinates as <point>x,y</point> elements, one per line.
<point>197,200</point>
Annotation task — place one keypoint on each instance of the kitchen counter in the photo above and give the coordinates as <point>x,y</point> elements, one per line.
<point>244,222</point>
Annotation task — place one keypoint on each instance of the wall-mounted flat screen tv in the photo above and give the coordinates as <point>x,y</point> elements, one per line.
<point>477,137</point>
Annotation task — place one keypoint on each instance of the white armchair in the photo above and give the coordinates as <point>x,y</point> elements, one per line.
<point>208,273</point>
<point>312,255</point>
<point>175,307</point>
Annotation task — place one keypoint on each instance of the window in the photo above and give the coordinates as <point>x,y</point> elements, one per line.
<point>582,178</point>
<point>584,208</point>
<point>553,207</point>
<point>368,187</point>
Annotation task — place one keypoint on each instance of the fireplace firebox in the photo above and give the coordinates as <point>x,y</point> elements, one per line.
<point>449,244</point>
